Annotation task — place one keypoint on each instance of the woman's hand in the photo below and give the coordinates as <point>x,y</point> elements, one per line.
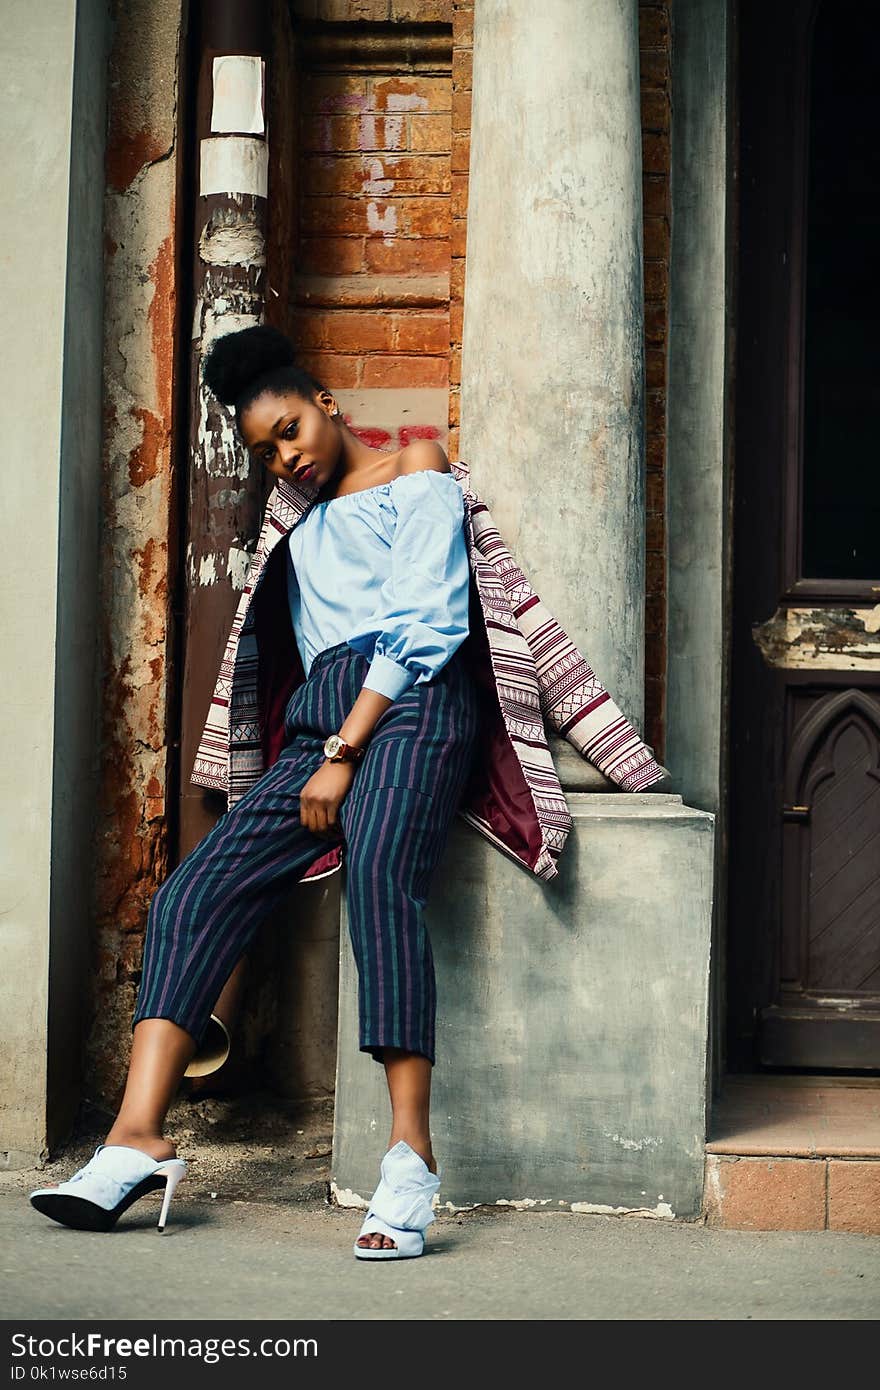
<point>322,796</point>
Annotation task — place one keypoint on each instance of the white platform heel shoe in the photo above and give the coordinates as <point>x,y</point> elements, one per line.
<point>114,1177</point>
<point>401,1207</point>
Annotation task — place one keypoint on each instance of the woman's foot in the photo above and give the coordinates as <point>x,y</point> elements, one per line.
<point>375,1240</point>
<point>152,1144</point>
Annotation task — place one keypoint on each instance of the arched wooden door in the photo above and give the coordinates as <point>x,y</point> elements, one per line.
<point>804,911</point>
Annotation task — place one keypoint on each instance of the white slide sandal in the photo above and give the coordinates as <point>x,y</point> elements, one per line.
<point>401,1207</point>
<point>112,1180</point>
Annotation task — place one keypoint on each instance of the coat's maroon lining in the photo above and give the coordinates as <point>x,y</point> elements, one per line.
<point>279,672</point>
<point>497,790</point>
<point>279,667</point>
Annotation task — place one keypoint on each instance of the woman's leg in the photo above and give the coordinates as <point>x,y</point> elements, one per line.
<point>392,842</point>
<point>160,1054</point>
<point>204,916</point>
<point>409,1085</point>
<point>200,923</point>
<point>396,820</point>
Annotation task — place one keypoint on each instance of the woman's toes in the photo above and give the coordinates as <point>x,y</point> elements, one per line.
<point>376,1241</point>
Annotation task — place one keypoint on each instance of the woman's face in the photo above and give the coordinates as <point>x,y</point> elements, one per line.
<point>293,437</point>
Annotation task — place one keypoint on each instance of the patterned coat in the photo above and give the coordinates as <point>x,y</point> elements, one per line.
<point>530,675</point>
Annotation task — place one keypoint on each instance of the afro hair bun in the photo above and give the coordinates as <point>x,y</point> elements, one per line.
<point>236,361</point>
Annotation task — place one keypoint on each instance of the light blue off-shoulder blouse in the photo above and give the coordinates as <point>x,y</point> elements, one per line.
<point>385,570</point>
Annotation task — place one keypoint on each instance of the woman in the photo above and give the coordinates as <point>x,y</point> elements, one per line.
<point>380,738</point>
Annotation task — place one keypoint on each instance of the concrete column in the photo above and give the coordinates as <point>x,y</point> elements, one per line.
<point>53,109</point>
<point>698,485</point>
<point>552,413</point>
<point>699,474</point>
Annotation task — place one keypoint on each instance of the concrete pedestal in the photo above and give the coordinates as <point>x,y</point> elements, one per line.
<point>572,1020</point>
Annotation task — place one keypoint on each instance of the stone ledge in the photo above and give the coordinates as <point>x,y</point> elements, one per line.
<point>577,774</point>
<point>767,1116</point>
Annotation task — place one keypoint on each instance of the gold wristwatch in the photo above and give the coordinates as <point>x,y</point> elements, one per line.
<point>336,750</point>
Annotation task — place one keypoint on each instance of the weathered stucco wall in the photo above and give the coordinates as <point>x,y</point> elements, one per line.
<point>137,553</point>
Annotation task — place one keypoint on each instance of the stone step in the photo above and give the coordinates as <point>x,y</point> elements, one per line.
<point>795,1153</point>
<point>792,1194</point>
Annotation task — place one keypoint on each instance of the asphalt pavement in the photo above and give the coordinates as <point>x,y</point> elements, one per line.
<point>267,1257</point>
<point>253,1236</point>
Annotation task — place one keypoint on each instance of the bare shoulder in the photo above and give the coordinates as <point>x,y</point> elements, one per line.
<point>423,454</point>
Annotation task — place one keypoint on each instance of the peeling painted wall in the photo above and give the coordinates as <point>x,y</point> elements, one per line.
<point>821,639</point>
<point>140,310</point>
<point>224,490</point>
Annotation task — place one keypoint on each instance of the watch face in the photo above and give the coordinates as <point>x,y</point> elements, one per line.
<point>332,746</point>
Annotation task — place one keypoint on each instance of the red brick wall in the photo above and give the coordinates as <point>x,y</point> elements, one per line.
<point>372,284</point>
<point>654,45</point>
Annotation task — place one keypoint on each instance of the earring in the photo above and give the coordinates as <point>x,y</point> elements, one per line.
<point>335,411</point>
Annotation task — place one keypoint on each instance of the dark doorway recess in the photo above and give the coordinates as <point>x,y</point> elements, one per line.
<point>804,912</point>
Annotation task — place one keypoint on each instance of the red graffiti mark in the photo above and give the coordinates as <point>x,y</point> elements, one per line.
<point>375,438</point>
<point>407,433</point>
<point>378,438</point>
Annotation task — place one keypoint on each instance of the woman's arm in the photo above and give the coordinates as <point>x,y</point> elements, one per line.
<point>421,612</point>
<point>364,716</point>
<point>322,796</point>
<point>326,789</point>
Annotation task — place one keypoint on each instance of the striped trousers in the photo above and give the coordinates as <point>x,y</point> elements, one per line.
<point>394,821</point>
